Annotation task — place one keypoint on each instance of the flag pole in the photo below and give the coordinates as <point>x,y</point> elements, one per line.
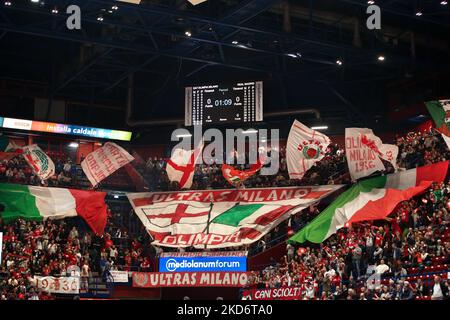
<point>209,220</point>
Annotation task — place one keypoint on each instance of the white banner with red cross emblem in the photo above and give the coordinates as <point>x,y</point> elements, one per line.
<point>304,148</point>
<point>220,218</point>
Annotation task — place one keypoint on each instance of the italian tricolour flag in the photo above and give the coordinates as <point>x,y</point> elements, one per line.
<point>371,199</point>
<point>40,203</point>
<point>440,112</point>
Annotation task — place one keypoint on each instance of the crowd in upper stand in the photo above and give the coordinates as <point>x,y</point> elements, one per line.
<point>415,149</point>
<point>332,270</point>
<point>413,241</point>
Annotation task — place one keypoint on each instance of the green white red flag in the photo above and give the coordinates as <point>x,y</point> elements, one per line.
<point>220,218</point>
<point>39,203</point>
<point>371,199</point>
<point>440,112</point>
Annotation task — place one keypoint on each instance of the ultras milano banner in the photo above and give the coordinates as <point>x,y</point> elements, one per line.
<point>189,279</point>
<point>220,218</point>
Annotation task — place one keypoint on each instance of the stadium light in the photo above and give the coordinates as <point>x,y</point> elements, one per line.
<point>185,135</point>
<point>73,145</point>
<point>250,131</point>
<point>381,58</point>
<point>320,128</point>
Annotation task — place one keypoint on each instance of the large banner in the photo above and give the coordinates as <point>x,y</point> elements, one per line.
<point>220,218</point>
<point>189,279</point>
<point>65,285</point>
<point>204,254</point>
<point>104,161</point>
<point>41,163</point>
<point>286,293</point>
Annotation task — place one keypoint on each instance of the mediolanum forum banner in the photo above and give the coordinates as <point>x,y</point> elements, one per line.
<point>205,263</point>
<point>220,218</point>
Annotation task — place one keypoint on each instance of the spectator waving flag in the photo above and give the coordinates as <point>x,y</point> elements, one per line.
<point>440,112</point>
<point>181,166</point>
<point>371,199</point>
<point>304,148</point>
<point>41,163</point>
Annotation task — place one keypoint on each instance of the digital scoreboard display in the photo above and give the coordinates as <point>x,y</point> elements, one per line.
<point>213,104</point>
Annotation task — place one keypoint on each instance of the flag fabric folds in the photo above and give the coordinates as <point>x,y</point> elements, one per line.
<point>234,176</point>
<point>371,199</point>
<point>364,151</point>
<point>304,148</point>
<point>181,165</point>
<point>440,112</point>
<point>39,203</point>
<point>220,218</point>
<point>104,161</point>
<point>40,162</point>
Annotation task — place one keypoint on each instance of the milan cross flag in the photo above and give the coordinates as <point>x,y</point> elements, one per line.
<point>304,148</point>
<point>181,166</point>
<point>220,218</point>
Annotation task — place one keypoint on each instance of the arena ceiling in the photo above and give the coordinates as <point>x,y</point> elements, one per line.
<point>310,53</point>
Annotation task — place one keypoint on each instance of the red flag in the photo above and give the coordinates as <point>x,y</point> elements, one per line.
<point>233,175</point>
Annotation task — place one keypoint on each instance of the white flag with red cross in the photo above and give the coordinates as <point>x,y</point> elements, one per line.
<point>305,147</point>
<point>181,166</point>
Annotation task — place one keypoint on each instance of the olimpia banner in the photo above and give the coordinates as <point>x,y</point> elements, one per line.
<point>220,218</point>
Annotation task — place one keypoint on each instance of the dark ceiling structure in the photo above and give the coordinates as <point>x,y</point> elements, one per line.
<point>311,54</point>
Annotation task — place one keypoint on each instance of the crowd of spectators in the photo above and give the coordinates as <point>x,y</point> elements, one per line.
<point>411,238</point>
<point>55,247</point>
<point>17,170</point>
<point>413,241</point>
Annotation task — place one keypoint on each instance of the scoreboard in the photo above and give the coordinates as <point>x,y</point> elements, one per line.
<point>213,104</point>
